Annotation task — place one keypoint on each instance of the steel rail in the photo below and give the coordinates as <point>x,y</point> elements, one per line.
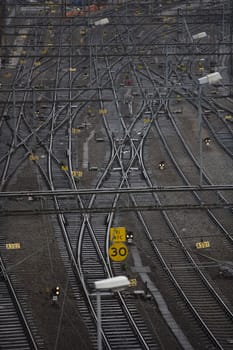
<point>89,229</point>
<point>114,156</point>
<point>115,153</point>
<point>216,342</point>
<point>86,210</point>
<point>99,191</point>
<point>118,157</point>
<point>23,318</point>
<point>190,256</point>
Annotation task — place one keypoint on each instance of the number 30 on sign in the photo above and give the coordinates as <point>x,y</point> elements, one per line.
<point>118,252</point>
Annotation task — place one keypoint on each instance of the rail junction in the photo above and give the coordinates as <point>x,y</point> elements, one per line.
<point>116,117</point>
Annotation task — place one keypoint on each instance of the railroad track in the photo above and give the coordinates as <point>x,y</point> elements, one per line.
<point>132,126</point>
<point>16,329</point>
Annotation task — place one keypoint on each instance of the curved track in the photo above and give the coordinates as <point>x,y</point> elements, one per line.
<point>137,94</point>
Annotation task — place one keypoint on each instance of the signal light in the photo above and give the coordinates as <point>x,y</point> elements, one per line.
<point>162,165</point>
<point>129,236</point>
<point>55,291</point>
<point>207,141</point>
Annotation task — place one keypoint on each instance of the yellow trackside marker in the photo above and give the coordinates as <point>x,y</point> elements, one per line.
<point>133,282</point>
<point>204,244</point>
<point>37,63</point>
<point>33,157</point>
<point>13,246</point>
<point>103,111</point>
<point>75,131</point>
<point>22,61</point>
<point>181,67</point>
<point>72,69</point>
<point>147,120</point>
<point>64,167</point>
<point>77,173</point>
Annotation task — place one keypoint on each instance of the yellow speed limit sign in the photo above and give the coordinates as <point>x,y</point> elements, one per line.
<point>118,252</point>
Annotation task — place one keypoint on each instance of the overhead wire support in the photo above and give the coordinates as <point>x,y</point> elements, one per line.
<point>118,209</point>
<point>115,191</point>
